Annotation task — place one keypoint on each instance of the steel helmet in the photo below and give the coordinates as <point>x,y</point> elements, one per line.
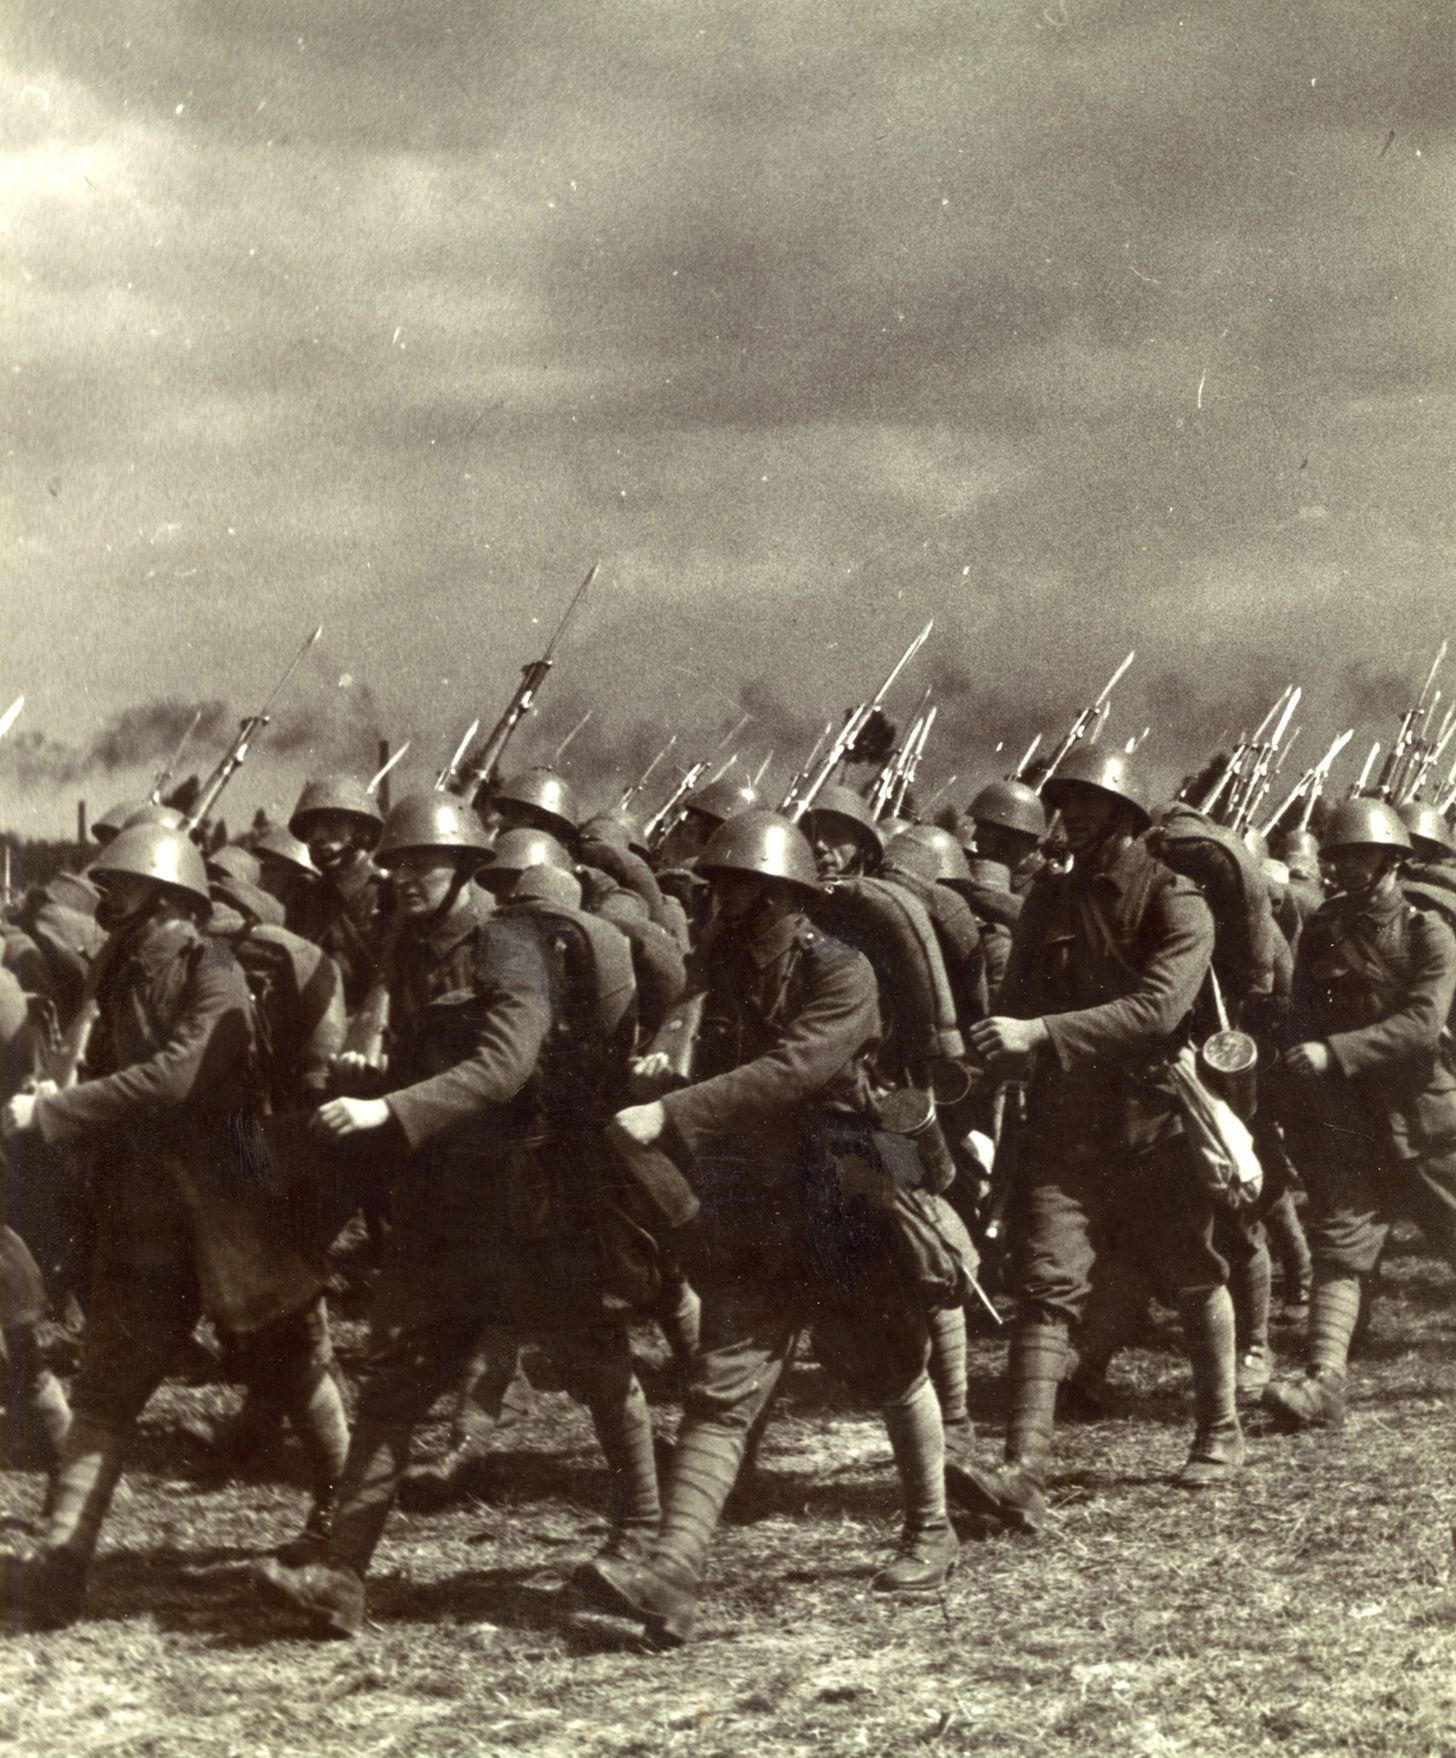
<point>159,853</point>
<point>337,793</point>
<point>545,790</point>
<point>436,821</point>
<point>617,828</point>
<point>116,819</point>
<point>278,844</point>
<point>854,808</point>
<point>1364,822</point>
<point>1300,852</point>
<point>233,862</point>
<point>1426,824</point>
<point>723,799</point>
<point>890,828</point>
<point>928,852</point>
<point>1012,805</point>
<point>149,813</point>
<point>1108,771</point>
<point>763,843</point>
<point>513,851</point>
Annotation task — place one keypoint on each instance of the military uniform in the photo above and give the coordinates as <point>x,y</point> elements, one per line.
<point>491,1226</point>
<point>183,1226</point>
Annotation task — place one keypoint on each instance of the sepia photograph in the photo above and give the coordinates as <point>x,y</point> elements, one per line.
<point>728,878</point>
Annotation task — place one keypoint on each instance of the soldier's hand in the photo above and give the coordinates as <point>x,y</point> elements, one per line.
<point>642,1124</point>
<point>342,1117</point>
<point>650,1074</point>
<point>19,1114</point>
<point>1312,1059</point>
<point>999,1038</point>
<point>355,1062</point>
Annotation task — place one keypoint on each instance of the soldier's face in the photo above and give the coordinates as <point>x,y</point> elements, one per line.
<point>1087,813</point>
<point>736,895</point>
<point>836,848</point>
<point>1358,866</point>
<point>126,895</point>
<point>422,882</point>
<point>330,839</point>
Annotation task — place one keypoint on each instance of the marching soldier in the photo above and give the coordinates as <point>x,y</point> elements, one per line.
<point>183,1225</point>
<point>1108,961</point>
<point>1373,1111</point>
<point>487,1218</point>
<point>776,1126</point>
<point>344,911</point>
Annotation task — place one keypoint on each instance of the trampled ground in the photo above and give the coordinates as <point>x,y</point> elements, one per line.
<point>1311,1611</point>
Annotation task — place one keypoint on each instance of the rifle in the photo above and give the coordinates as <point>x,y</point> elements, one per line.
<point>910,767</point>
<point>1431,754</point>
<point>801,797</point>
<point>1234,768</point>
<point>1309,785</point>
<point>448,776</point>
<point>483,764</point>
<point>169,768</point>
<point>887,780</point>
<point>1008,1132</point>
<point>657,825</point>
<point>1242,811</point>
<point>373,787</point>
<point>249,729</point>
<point>1019,772</point>
<point>1358,786</point>
<point>808,762</point>
<point>1082,725</point>
<point>560,750</point>
<point>1412,723</point>
<point>631,793</point>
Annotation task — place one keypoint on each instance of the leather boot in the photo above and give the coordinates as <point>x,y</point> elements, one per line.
<point>1014,1493</point>
<point>923,1562</point>
<point>663,1599</point>
<point>1315,1401</point>
<point>1218,1443</point>
<point>329,1596</point>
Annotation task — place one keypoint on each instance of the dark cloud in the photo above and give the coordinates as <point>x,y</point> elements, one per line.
<point>1080,326</point>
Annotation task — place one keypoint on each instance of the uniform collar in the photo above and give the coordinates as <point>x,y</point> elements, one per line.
<point>467,913</point>
<point>1114,867</point>
<point>351,880</point>
<point>156,944</point>
<point>772,941</point>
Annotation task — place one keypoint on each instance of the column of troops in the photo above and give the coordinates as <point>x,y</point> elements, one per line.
<point>766,1084</point>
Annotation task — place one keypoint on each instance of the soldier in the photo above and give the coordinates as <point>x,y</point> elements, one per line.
<point>843,834</point>
<point>535,799</point>
<point>1299,851</point>
<point>775,1124</point>
<point>344,912</point>
<point>703,811</point>
<point>486,1213</point>
<point>286,871</point>
<point>1000,835</point>
<point>1373,1113</point>
<point>1107,963</point>
<point>184,1224</point>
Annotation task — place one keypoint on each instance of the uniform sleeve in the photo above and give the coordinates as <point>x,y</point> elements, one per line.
<point>514,995</point>
<point>212,1038</point>
<point>1415,1026</point>
<point>839,1016</point>
<point>324,1023</point>
<point>1175,962</point>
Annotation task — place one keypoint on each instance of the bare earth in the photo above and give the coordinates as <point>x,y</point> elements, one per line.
<point>1309,1612</point>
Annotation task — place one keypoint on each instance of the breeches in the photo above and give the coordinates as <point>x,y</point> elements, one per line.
<point>1076,1214</point>
<point>436,1298</point>
<point>1355,1198</point>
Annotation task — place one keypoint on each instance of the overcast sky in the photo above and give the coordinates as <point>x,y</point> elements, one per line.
<point>1079,326</point>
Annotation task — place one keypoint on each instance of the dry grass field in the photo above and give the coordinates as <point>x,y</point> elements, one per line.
<point>1311,1611</point>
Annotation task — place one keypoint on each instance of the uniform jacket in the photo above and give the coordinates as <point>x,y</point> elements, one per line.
<point>1375,982</point>
<point>172,1052</point>
<point>997,908</point>
<point>344,914</point>
<point>790,1012</point>
<point>1112,958</point>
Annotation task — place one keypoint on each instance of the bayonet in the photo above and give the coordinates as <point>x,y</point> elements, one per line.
<point>560,750</point>
<point>169,768</point>
<point>248,730</point>
<point>373,787</point>
<point>1084,722</point>
<point>447,776</point>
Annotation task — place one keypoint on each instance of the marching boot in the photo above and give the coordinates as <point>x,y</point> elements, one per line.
<point>662,1593</point>
<point>928,1545</point>
<point>1250,1282</point>
<point>328,1596</point>
<point>1015,1493</point>
<point>1218,1441</point>
<point>1287,1240</point>
<point>1318,1399</point>
<point>52,1589</point>
<point>624,1429</point>
<point>492,1395</point>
